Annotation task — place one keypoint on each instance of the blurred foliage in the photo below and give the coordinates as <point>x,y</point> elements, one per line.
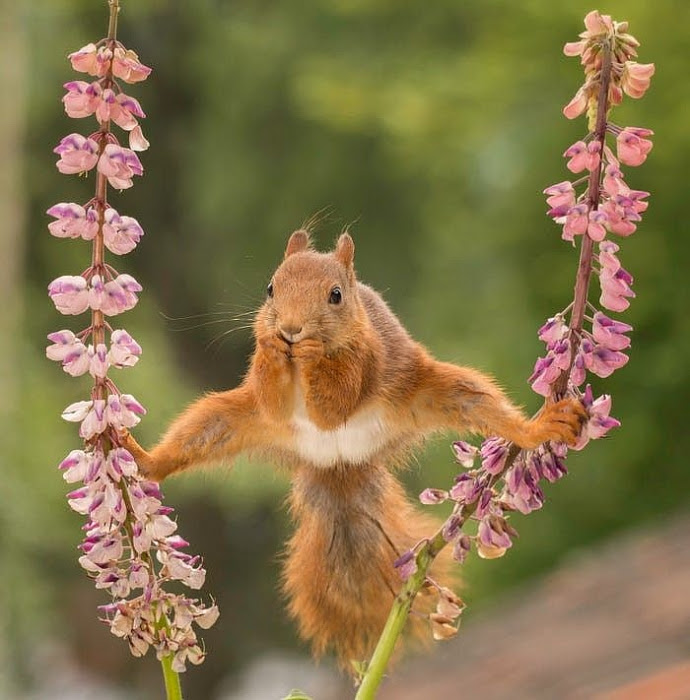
<point>428,128</point>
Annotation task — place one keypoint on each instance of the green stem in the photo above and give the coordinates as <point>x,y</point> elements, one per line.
<point>397,619</point>
<point>173,689</point>
<point>403,602</point>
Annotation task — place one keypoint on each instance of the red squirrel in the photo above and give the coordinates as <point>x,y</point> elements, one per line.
<point>338,392</point>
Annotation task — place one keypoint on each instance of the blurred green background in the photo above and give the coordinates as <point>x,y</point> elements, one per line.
<point>428,128</point>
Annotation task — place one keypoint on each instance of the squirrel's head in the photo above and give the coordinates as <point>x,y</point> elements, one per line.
<point>312,294</point>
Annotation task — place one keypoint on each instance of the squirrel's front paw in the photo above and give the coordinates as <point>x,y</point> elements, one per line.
<point>560,422</point>
<point>141,457</point>
<point>276,347</point>
<point>308,349</point>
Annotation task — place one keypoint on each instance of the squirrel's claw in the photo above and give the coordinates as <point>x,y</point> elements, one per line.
<point>308,349</point>
<point>561,422</point>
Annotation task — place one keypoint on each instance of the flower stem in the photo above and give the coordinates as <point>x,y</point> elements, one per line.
<point>114,6</point>
<point>397,619</point>
<point>173,689</point>
<point>403,601</point>
<point>101,200</point>
<point>584,267</point>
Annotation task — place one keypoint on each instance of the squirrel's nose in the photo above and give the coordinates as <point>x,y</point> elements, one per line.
<point>290,331</point>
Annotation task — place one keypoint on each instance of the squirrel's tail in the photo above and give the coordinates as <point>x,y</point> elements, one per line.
<point>352,523</point>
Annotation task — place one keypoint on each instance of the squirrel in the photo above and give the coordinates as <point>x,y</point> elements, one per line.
<point>338,392</point>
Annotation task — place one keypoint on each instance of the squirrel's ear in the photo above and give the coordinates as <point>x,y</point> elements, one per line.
<point>345,250</point>
<point>298,242</point>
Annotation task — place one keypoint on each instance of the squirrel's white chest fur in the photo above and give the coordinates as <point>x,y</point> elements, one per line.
<point>354,442</point>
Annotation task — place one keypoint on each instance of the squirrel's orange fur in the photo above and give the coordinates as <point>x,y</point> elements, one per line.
<point>337,391</point>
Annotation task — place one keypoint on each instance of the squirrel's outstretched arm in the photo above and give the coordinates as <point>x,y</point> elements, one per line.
<point>217,426</point>
<point>463,399</point>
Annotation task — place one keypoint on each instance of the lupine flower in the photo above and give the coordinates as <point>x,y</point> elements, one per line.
<point>597,24</point>
<point>596,227</point>
<point>123,411</point>
<point>600,422</point>
<point>494,453</point>
<point>91,415</point>
<point>442,626</point>
<point>637,197</point>
<point>124,350</point>
<point>76,412</point>
<point>125,288</point>
<point>579,157</point>
<point>115,296</point>
<point>576,222</point>
<point>69,350</point>
<point>126,65</point>
<point>120,233</point>
<point>130,547</point>
<point>508,479</point>
<point>578,372</point>
<point>121,109</point>
<point>430,497</point>
<point>553,330</point>
<point>546,372</point>
<point>78,154</point>
<point>615,288</point>
<point>632,146</point>
<point>449,604</point>
<point>406,565</point>
<point>69,294</point>
<point>493,537</point>
<point>636,78</point>
<point>549,462</point>
<point>104,547</point>
<point>119,165</point>
<point>463,546</point>
<point>607,256</point>
<point>120,463</point>
<point>561,352</point>
<point>577,105</point>
<point>81,99</point>
<point>98,366</point>
<point>467,489</point>
<point>548,369</point>
<point>73,221</point>
<point>128,108</point>
<point>619,219</point>
<point>561,194</point>
<point>465,454</point>
<point>63,345</point>
<point>137,141</point>
<point>452,527</point>
<point>74,466</point>
<point>522,490</point>
<point>613,183</point>
<point>610,333</point>
<point>601,360</point>
<point>92,60</point>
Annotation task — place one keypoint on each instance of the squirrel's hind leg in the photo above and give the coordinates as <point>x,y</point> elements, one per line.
<point>352,523</point>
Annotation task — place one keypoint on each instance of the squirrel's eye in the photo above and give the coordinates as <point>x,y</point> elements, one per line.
<point>336,296</point>
<point>269,289</point>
